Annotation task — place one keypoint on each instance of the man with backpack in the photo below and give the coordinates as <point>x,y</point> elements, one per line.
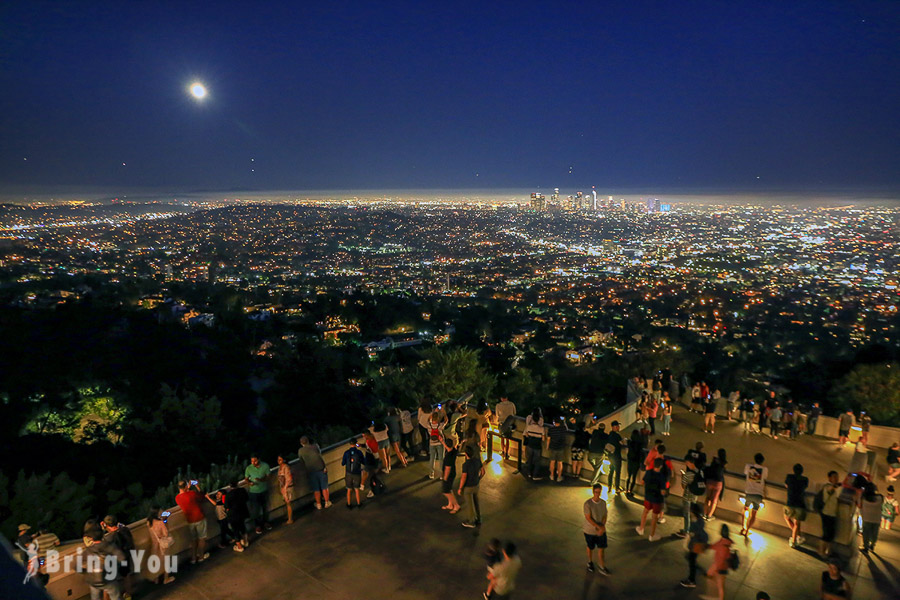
<point>693,486</point>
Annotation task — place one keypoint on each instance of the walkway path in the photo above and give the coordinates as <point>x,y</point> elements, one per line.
<point>402,546</point>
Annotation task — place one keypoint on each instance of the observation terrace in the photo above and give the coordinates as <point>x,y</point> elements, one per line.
<point>401,545</point>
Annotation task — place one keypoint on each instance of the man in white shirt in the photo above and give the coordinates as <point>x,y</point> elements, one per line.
<point>754,491</point>
<point>504,410</point>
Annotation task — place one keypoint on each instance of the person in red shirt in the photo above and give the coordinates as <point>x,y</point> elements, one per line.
<point>191,500</point>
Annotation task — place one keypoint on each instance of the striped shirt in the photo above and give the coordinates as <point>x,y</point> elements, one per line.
<point>45,542</point>
<point>557,435</point>
<point>687,478</point>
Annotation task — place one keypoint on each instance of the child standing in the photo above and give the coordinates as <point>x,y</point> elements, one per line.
<point>889,508</point>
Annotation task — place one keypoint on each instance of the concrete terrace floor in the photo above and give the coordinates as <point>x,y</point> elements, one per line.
<point>402,546</point>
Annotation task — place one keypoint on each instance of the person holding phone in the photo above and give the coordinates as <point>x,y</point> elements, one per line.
<point>257,474</point>
<point>191,500</point>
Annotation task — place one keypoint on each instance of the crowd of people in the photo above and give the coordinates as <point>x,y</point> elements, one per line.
<point>448,433</point>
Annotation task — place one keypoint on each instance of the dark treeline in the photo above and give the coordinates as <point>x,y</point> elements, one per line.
<point>113,395</point>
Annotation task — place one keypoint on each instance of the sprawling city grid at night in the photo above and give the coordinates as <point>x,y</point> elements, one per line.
<point>405,300</point>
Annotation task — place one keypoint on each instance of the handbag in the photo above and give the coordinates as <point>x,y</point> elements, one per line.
<point>166,542</point>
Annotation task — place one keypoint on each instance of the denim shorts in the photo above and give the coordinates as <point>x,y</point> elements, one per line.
<point>318,481</point>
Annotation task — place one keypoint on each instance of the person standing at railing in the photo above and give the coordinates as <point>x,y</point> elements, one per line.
<point>813,418</point>
<point>257,474</point>
<point>435,441</point>
<point>382,438</point>
<point>395,435</point>
<point>406,434</point>
<point>286,486</point>
<point>580,443</point>
<point>237,511</point>
<point>775,417</point>
<point>316,471</point>
<point>120,535</point>
<point>534,443</point>
<point>191,500</point>
<point>352,461</point>
<point>483,422</point>
<point>102,560</point>
<point>845,421</point>
<point>504,410</point>
<point>893,462</point>
<point>865,422</point>
<point>424,417</point>
<point>556,446</point>
<point>160,542</point>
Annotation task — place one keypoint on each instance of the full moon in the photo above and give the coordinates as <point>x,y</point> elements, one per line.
<point>198,91</point>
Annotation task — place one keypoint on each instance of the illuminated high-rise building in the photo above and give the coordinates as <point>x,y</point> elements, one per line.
<point>538,202</point>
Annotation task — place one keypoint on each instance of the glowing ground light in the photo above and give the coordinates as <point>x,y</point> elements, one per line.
<point>198,90</point>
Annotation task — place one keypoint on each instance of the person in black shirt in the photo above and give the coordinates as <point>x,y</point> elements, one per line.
<point>449,474</point>
<point>698,455</point>
<point>709,416</point>
<point>655,491</point>
<point>795,508</point>
<point>236,499</point>
<point>473,471</point>
<point>580,445</point>
<point>635,459</point>
<point>893,461</point>
<point>834,586</point>
<point>614,453</point>
<point>598,451</point>
<point>814,413</point>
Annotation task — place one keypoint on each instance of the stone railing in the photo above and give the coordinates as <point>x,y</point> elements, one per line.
<point>71,585</point>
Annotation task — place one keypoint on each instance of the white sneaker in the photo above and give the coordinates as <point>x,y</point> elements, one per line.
<point>327,504</point>
<point>371,494</point>
<point>431,476</point>
<point>661,520</point>
<point>655,538</point>
<point>318,506</point>
<point>640,530</point>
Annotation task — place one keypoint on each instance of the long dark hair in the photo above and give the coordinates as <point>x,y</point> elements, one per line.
<point>153,515</point>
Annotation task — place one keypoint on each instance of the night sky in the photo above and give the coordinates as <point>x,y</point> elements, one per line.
<point>327,95</point>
